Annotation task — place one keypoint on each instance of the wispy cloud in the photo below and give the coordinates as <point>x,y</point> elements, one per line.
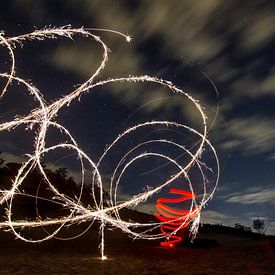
<point>255,195</point>
<point>272,157</point>
<point>249,85</point>
<point>8,157</point>
<point>215,217</point>
<point>260,31</point>
<point>252,135</point>
<point>197,33</point>
<point>271,228</point>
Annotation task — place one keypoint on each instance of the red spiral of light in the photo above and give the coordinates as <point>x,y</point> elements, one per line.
<point>174,219</point>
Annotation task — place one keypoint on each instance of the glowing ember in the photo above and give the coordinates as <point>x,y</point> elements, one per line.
<point>44,118</point>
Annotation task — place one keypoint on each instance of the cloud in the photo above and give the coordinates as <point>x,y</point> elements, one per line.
<point>8,157</point>
<point>252,135</point>
<point>260,31</point>
<point>215,217</point>
<point>271,228</point>
<point>192,30</point>
<point>196,32</point>
<point>181,25</point>
<point>272,157</point>
<point>84,57</point>
<point>255,195</point>
<point>250,86</point>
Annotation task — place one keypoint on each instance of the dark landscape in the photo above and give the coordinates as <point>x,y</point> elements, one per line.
<point>216,250</point>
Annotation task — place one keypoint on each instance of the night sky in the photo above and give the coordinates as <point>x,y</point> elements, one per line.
<point>198,45</point>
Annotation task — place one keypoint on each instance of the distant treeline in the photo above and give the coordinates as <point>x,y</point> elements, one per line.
<point>34,196</point>
<point>238,230</point>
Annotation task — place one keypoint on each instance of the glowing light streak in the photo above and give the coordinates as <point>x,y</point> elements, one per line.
<point>44,116</point>
<point>174,219</point>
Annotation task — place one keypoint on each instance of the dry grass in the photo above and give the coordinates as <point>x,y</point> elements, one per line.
<point>213,253</point>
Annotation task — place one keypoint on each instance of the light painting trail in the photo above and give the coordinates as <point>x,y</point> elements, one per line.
<point>174,219</point>
<point>44,117</point>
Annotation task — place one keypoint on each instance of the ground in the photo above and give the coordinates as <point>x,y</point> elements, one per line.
<point>211,253</point>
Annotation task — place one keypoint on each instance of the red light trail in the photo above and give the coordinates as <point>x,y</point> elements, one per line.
<point>174,219</point>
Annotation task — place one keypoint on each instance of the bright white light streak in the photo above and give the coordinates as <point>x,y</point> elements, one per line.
<point>44,117</point>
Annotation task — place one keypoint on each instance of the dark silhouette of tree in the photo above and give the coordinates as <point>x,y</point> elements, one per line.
<point>259,226</point>
<point>62,173</point>
<point>35,185</point>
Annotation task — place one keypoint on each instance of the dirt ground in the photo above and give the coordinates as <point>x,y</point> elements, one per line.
<point>212,253</point>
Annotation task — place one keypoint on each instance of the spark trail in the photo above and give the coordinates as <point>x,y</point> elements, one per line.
<point>44,118</point>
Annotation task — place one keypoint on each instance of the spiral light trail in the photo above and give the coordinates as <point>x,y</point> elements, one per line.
<point>173,218</point>
<point>44,117</point>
